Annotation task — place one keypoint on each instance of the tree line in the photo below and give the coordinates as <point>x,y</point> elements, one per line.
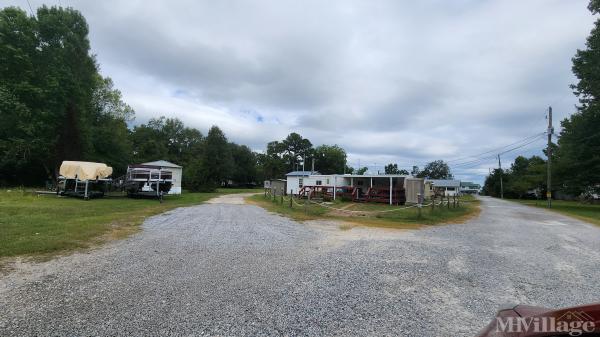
<point>576,155</point>
<point>55,105</point>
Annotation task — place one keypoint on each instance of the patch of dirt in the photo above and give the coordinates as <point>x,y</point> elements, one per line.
<point>231,199</point>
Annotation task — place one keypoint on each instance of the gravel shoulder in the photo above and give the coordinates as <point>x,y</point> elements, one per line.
<point>231,269</point>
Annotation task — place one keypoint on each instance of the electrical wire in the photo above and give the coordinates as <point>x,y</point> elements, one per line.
<point>30,9</point>
<point>496,150</point>
<point>486,159</point>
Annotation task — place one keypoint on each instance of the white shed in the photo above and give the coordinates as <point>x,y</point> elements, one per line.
<point>177,173</point>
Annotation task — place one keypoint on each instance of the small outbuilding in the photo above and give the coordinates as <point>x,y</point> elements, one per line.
<point>175,169</point>
<point>277,186</point>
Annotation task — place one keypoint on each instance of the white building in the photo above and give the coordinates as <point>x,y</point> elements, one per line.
<point>467,187</point>
<point>446,187</point>
<point>177,173</point>
<point>413,186</point>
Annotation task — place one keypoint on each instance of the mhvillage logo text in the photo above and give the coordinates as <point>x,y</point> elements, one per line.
<point>575,323</point>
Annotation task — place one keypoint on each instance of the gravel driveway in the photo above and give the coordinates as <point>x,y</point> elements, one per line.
<point>230,269</point>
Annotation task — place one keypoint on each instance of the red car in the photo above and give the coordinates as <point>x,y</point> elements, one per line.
<point>528,321</point>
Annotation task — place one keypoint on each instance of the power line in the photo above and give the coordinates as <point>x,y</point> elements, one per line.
<point>492,156</point>
<point>30,10</point>
<point>486,159</point>
<point>477,159</point>
<point>498,149</point>
<point>472,158</point>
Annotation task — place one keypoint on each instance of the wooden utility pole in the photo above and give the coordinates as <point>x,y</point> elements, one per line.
<point>501,183</point>
<point>549,162</point>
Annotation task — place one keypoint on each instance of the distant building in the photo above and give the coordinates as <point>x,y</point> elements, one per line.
<point>175,169</point>
<point>445,187</point>
<point>467,187</point>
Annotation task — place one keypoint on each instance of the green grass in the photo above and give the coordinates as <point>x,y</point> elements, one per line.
<point>47,224</point>
<point>370,214</point>
<point>576,209</point>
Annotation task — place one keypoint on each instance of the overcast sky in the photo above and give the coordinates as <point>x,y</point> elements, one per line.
<point>389,81</point>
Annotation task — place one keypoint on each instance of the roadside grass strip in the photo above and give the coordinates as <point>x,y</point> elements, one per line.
<point>370,214</point>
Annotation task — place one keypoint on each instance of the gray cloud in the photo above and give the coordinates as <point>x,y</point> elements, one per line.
<point>390,81</point>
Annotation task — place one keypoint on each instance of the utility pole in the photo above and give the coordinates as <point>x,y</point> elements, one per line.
<point>549,162</point>
<point>501,185</point>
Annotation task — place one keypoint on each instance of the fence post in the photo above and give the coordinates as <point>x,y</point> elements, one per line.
<point>448,197</point>
<point>419,205</point>
<point>282,198</point>
<point>306,204</point>
<point>291,197</point>
<point>432,202</point>
<point>458,202</point>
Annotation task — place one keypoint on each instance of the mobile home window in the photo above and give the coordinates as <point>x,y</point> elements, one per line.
<point>327,181</point>
<point>300,182</point>
<point>318,183</point>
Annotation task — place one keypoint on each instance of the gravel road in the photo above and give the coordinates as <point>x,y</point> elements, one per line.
<point>229,269</point>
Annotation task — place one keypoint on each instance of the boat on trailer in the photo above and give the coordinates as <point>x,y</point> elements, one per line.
<point>149,181</point>
<point>83,179</point>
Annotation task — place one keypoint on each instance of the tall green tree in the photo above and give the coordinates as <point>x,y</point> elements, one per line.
<point>109,140</point>
<point>361,171</point>
<point>491,186</point>
<point>329,159</point>
<point>217,161</point>
<point>271,163</point>
<point>393,169</point>
<point>525,175</point>
<point>578,155</point>
<point>244,168</point>
<point>295,150</point>
<point>437,169</point>
<point>415,171</point>
<point>54,105</point>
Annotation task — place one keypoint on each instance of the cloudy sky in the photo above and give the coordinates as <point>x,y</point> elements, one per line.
<point>390,81</point>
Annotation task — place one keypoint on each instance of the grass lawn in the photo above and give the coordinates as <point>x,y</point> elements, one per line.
<point>576,209</point>
<point>47,224</point>
<point>369,213</point>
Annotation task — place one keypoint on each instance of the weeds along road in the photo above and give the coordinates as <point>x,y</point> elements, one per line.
<point>230,269</point>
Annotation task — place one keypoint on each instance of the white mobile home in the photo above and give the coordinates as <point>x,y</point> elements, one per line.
<point>390,184</point>
<point>175,169</point>
<point>445,187</point>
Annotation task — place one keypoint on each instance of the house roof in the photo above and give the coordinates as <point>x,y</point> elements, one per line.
<point>162,163</point>
<point>301,173</point>
<point>469,184</point>
<point>444,182</point>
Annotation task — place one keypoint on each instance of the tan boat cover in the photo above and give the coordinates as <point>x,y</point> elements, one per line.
<point>84,170</point>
